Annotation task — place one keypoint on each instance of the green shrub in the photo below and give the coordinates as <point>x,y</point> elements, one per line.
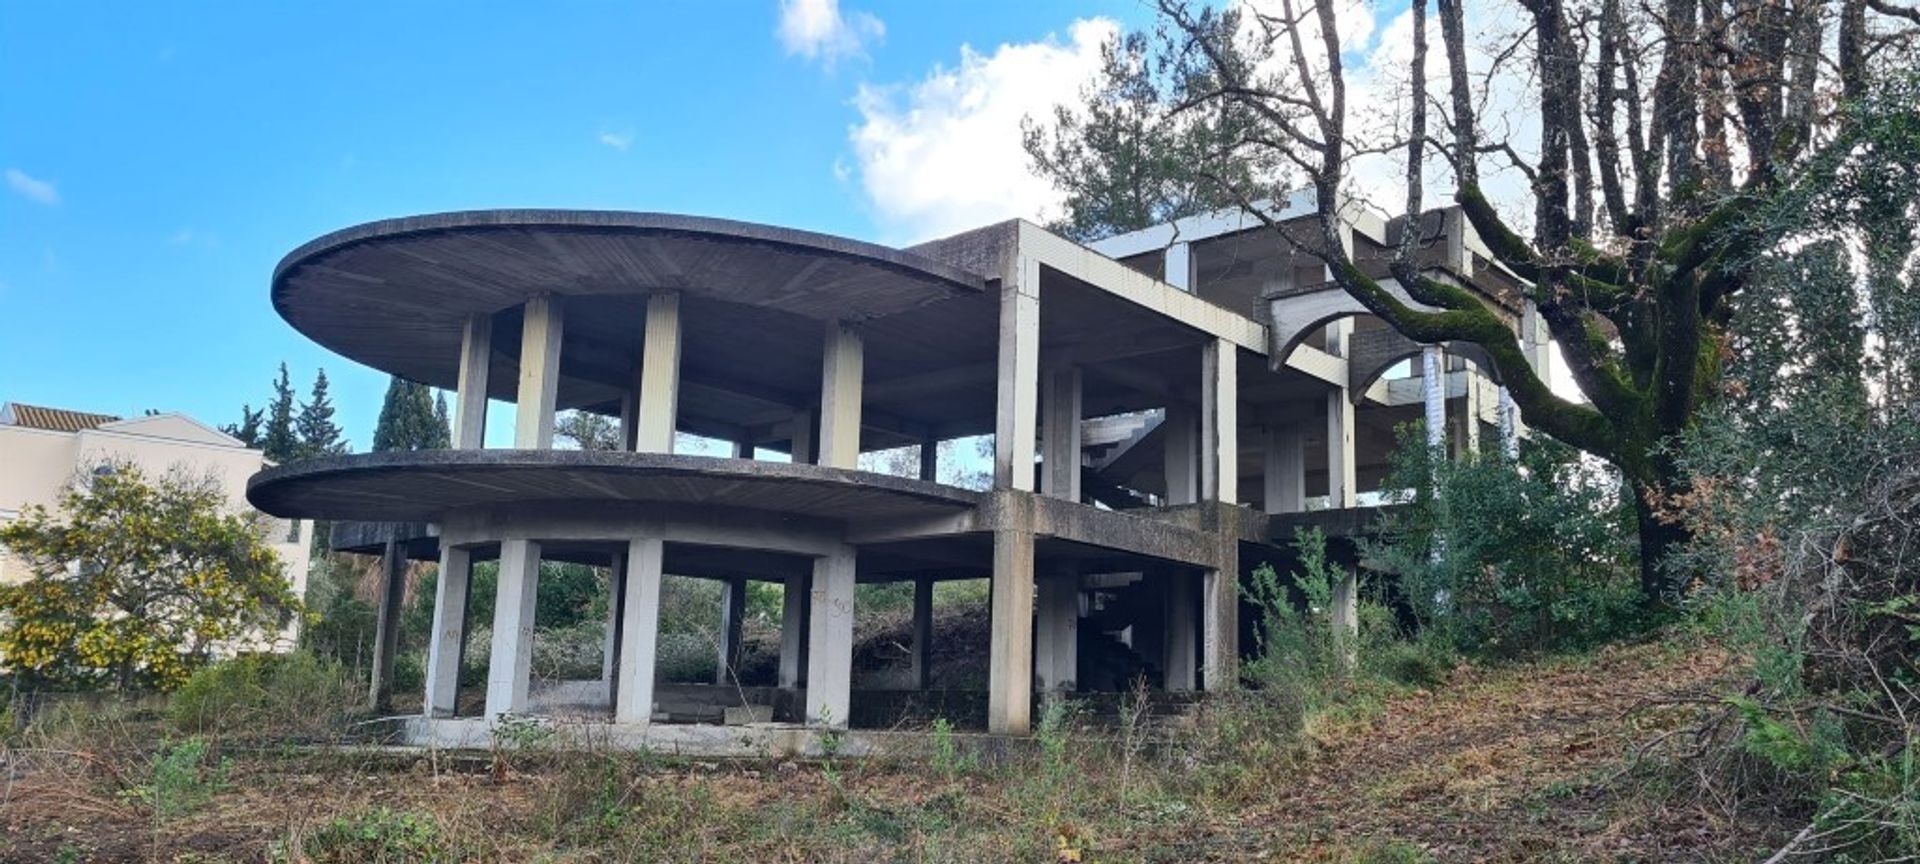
<point>180,780</point>
<point>294,695</point>
<point>1502,559</point>
<point>377,836</point>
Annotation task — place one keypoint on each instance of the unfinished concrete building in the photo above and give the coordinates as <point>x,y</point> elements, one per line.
<point>1164,407</point>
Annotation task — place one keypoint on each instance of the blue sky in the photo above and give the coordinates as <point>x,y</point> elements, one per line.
<point>160,158</point>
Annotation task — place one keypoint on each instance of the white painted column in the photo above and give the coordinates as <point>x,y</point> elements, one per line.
<point>1509,426</point>
<point>658,377</point>
<point>1220,422</point>
<point>1342,483</point>
<point>511,658</point>
<point>733,610</point>
<point>1060,435</point>
<point>841,372</point>
<point>1183,633</point>
<point>922,664</point>
<point>540,337</point>
<point>449,628</point>
<point>1010,654</point>
<point>1433,395</point>
<point>1056,658</point>
<point>1285,471</point>
<point>640,627</point>
<point>1018,382</point>
<point>470,394</point>
<point>793,631</point>
<point>1179,266</point>
<point>830,653</point>
<point>1182,454</point>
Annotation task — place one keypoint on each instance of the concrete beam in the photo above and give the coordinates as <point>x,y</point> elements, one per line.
<point>470,394</point>
<point>1018,382</point>
<point>841,374</point>
<point>449,630</point>
<point>540,337</point>
<point>639,629</point>
<point>1060,451</point>
<point>659,375</point>
<point>1010,656</point>
<point>511,658</point>
<point>830,642</point>
<point>1220,422</point>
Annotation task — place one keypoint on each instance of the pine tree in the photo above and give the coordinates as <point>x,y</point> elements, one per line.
<point>318,434</point>
<point>278,441</point>
<point>248,429</point>
<point>442,437</point>
<point>390,431</point>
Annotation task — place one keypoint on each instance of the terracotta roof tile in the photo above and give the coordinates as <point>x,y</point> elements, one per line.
<point>57,419</point>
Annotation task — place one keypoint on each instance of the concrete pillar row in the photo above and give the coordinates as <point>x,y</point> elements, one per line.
<point>793,632</point>
<point>449,631</point>
<point>1285,470</point>
<point>658,378</point>
<point>639,628</point>
<point>1015,423</point>
<point>511,658</point>
<point>1220,422</point>
<point>470,393</point>
<point>830,638</point>
<point>841,373</point>
<point>540,338</point>
<point>1060,434</point>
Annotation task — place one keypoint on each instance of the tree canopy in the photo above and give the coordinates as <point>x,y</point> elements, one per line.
<point>136,580</point>
<point>410,419</point>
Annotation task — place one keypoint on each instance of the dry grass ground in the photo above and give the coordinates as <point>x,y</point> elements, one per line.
<point>1526,762</point>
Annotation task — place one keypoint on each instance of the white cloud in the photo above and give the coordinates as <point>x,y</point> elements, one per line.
<point>617,140</point>
<point>817,30</point>
<point>944,154</point>
<point>32,188</point>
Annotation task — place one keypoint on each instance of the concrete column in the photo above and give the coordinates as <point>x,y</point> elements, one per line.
<point>639,628</point>
<point>1220,422</point>
<point>930,459</point>
<point>1342,484</point>
<point>1010,657</point>
<point>1345,618</point>
<point>1285,471</point>
<point>1182,454</point>
<point>793,631</point>
<point>616,592</point>
<point>1467,434</point>
<point>449,630</point>
<point>803,451</point>
<point>540,336</point>
<point>1060,435</point>
<point>830,652</point>
<point>922,667</point>
<point>1018,383</point>
<point>1509,426</point>
<point>1337,333</point>
<point>733,610</point>
<point>743,448</point>
<point>1183,633</point>
<point>659,375</point>
<point>470,411</point>
<point>1056,658</point>
<point>840,378</point>
<point>511,658</point>
<point>1433,395</point>
<point>1179,267</point>
<point>1220,619</point>
<point>386,634</point>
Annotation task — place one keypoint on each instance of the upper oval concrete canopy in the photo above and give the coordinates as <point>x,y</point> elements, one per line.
<point>424,485</point>
<point>395,294</point>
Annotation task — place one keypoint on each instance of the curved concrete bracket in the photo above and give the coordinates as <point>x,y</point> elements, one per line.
<point>1293,314</point>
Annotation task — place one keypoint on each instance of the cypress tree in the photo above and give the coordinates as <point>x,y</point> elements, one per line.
<point>442,437</point>
<point>278,441</point>
<point>248,429</point>
<point>409,419</point>
<point>319,435</point>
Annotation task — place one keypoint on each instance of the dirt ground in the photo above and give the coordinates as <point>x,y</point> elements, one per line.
<point>1561,760</point>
